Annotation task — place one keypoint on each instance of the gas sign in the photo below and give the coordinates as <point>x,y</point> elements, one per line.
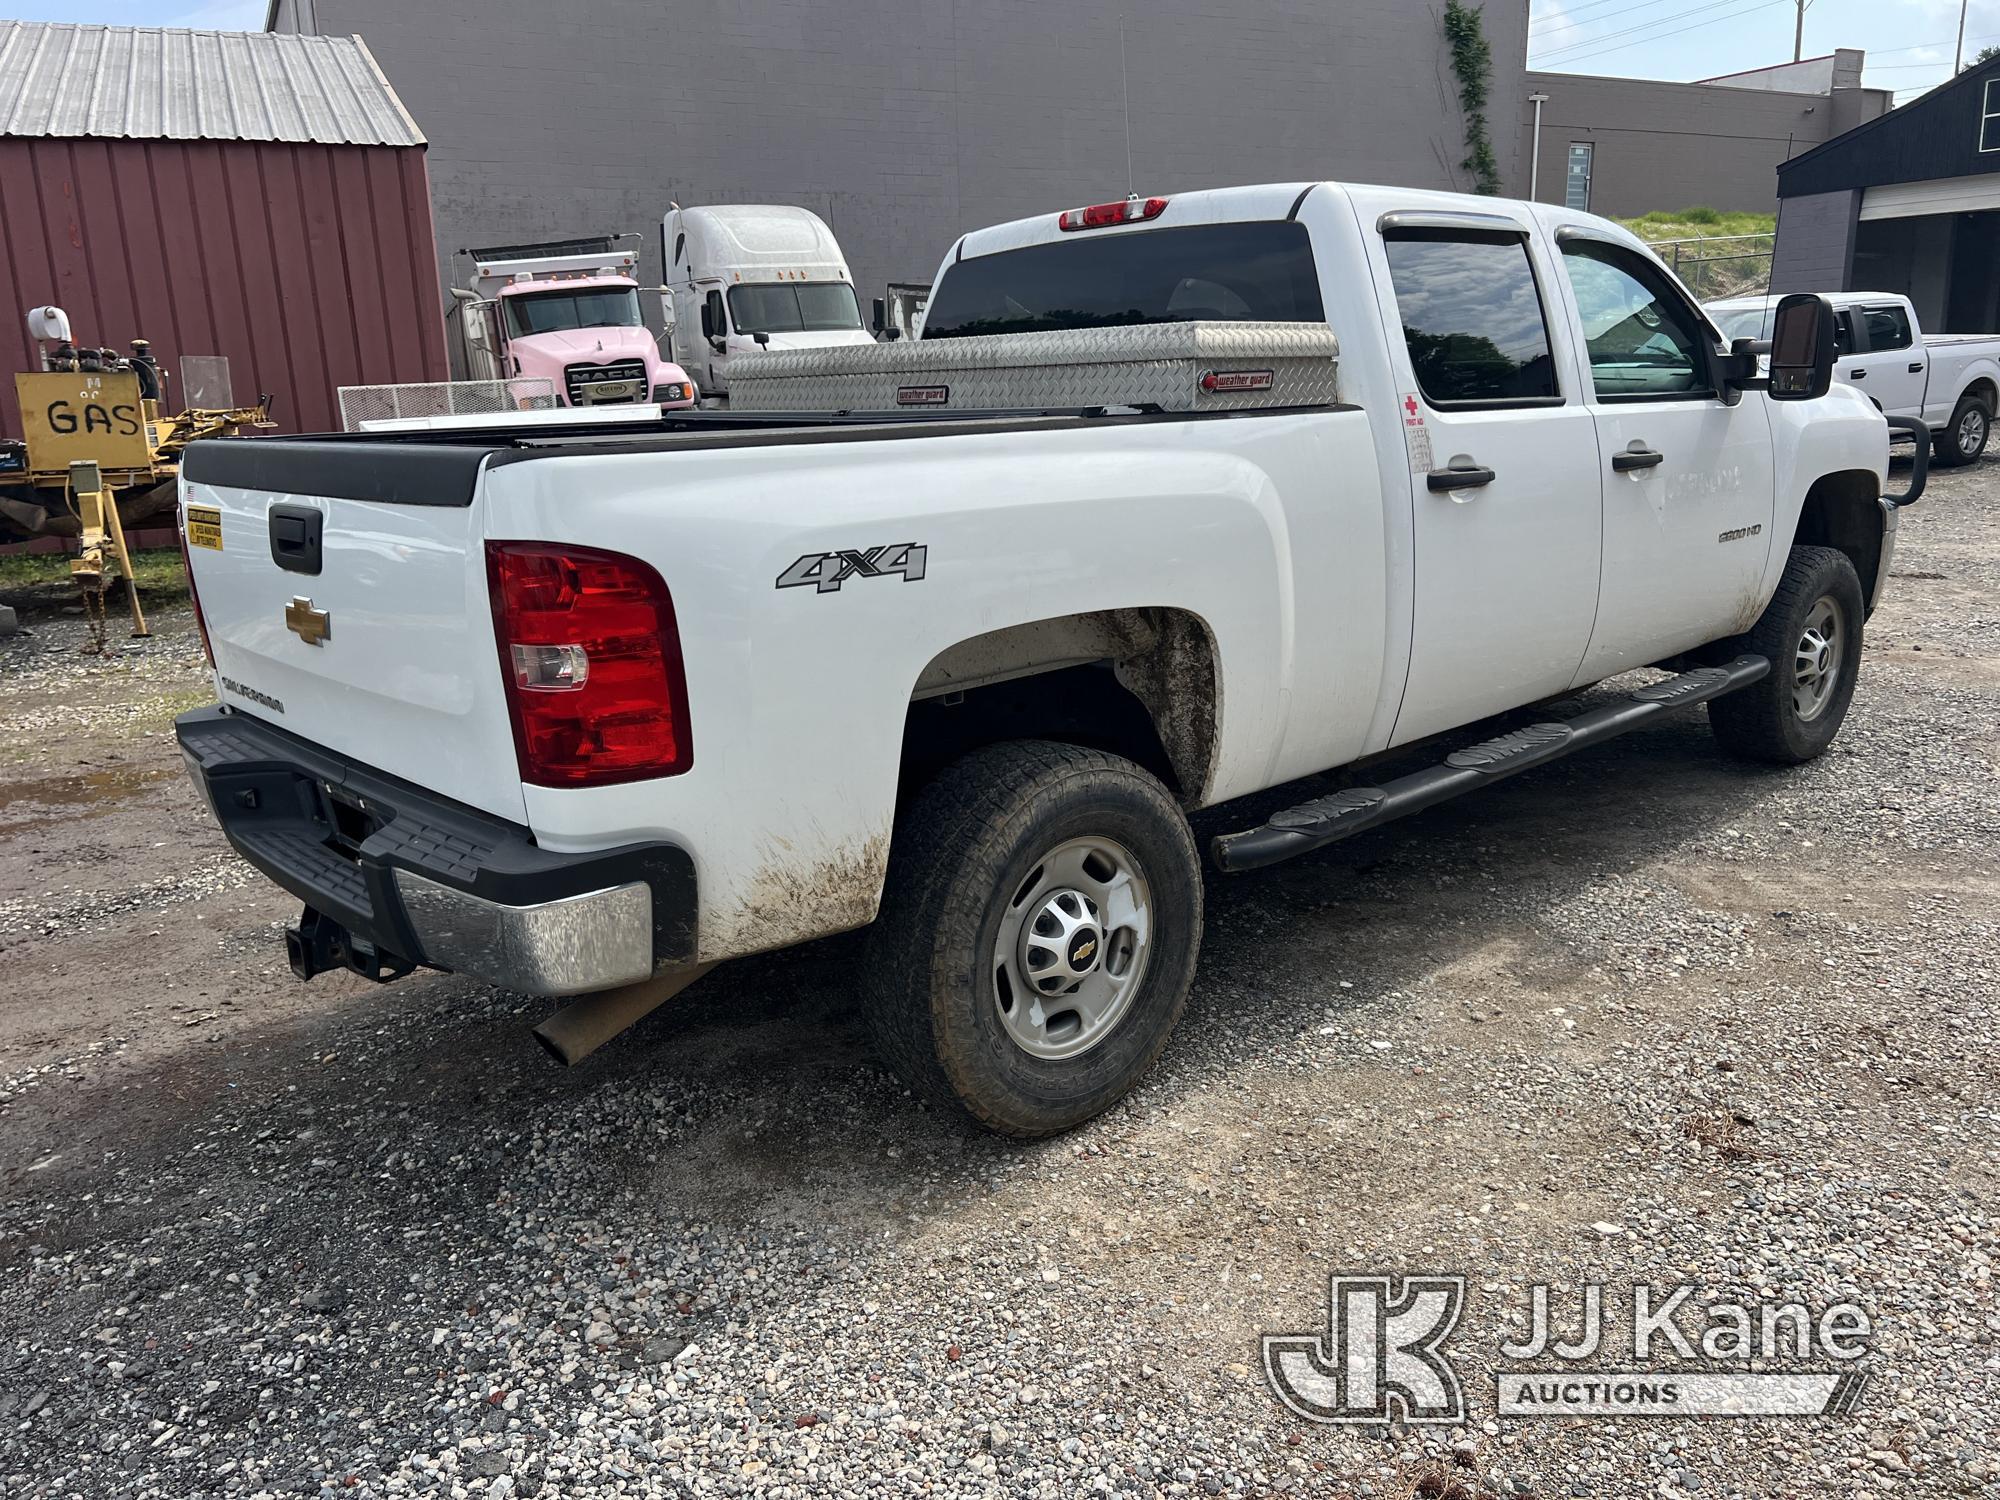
<point>69,415</point>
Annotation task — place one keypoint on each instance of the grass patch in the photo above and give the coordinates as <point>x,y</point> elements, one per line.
<point>40,579</point>
<point>1698,223</point>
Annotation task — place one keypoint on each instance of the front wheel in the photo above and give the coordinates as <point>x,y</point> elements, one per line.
<point>1965,437</point>
<point>1811,631</point>
<point>1037,937</point>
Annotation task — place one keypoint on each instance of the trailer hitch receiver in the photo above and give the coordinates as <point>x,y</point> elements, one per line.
<point>319,945</point>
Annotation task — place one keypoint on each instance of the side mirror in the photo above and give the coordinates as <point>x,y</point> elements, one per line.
<point>763,339</point>
<point>1802,352</point>
<point>880,318</point>
<point>707,323</point>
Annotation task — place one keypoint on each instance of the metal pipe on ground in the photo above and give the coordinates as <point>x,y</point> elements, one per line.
<point>589,1021</point>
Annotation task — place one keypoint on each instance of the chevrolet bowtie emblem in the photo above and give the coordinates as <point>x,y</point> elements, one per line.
<point>310,625</point>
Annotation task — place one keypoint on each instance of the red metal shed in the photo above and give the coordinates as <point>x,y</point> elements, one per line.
<point>237,193</point>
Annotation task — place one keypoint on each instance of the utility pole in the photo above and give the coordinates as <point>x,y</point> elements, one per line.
<point>1958,56</point>
<point>1799,31</point>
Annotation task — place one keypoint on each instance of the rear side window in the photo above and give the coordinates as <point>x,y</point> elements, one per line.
<point>1202,272</point>
<point>1888,327</point>
<point>1472,316</point>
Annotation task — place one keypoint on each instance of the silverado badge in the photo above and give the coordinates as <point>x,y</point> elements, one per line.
<point>310,625</point>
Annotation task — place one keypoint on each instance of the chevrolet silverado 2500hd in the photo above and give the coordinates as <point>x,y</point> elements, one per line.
<point>570,709</point>
<point>1950,381</point>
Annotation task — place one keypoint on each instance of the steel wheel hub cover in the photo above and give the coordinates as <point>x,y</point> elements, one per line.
<point>1072,948</point>
<point>1816,662</point>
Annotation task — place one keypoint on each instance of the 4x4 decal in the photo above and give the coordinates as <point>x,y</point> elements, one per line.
<point>827,571</point>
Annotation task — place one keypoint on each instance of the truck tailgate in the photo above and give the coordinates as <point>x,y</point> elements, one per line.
<point>343,586</point>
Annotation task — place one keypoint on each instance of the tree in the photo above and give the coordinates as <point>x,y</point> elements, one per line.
<point>1987,54</point>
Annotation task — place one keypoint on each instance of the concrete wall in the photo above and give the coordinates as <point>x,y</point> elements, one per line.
<point>1815,243</point>
<point>904,122</point>
<point>1677,145</point>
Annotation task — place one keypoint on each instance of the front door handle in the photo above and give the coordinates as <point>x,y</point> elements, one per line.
<point>1636,458</point>
<point>1857,374</point>
<point>1462,475</point>
<point>1916,369</point>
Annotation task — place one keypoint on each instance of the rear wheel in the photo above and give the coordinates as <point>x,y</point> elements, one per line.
<point>1811,631</point>
<point>1964,439</point>
<point>1037,937</point>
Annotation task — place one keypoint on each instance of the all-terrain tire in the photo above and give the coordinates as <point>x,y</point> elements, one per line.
<point>971,848</point>
<point>1964,438</point>
<point>1811,631</point>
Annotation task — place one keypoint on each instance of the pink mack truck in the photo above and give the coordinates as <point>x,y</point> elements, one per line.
<point>573,320</point>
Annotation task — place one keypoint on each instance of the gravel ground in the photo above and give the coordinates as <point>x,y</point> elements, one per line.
<point>1640,1016</point>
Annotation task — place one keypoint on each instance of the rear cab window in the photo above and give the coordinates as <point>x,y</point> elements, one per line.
<point>1227,273</point>
<point>1472,317</point>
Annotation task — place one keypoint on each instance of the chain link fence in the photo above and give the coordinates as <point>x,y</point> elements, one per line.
<point>443,398</point>
<point>1724,265</point>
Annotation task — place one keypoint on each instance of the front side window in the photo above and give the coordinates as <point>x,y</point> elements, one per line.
<point>1472,316</point>
<point>1888,327</point>
<point>556,312</point>
<point>1196,273</point>
<point>793,307</point>
<point>1644,341</point>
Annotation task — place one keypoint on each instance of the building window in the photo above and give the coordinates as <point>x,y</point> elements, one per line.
<point>1989,117</point>
<point>1576,187</point>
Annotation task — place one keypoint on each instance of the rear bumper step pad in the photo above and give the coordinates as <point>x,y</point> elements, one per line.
<point>1341,815</point>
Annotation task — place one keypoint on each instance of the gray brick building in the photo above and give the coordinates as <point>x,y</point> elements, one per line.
<point>903,122</point>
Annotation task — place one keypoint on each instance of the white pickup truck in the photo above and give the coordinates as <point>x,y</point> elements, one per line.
<point>1948,381</point>
<point>581,711</point>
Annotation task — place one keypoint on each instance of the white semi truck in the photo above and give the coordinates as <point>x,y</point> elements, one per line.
<point>584,711</point>
<point>748,276</point>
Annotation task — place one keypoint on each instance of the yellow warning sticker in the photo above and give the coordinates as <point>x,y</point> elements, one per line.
<point>204,527</point>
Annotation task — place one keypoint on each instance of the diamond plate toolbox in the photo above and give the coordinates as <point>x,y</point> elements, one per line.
<point>1171,366</point>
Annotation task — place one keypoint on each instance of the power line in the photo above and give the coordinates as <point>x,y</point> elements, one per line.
<point>1610,36</point>
<point>1662,36</point>
<point>1547,21</point>
<point>1571,22</point>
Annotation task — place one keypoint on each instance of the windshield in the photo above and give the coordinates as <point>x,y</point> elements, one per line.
<point>794,307</point>
<point>1212,272</point>
<point>554,312</point>
<point>1744,322</point>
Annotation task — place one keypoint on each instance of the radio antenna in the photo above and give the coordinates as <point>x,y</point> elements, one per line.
<point>1125,98</point>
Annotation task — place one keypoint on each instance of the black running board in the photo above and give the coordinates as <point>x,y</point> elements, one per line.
<point>1341,815</point>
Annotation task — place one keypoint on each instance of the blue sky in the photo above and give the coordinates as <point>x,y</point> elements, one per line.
<point>1909,42</point>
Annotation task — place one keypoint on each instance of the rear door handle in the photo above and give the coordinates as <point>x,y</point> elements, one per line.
<point>1460,476</point>
<point>1916,369</point>
<point>1636,458</point>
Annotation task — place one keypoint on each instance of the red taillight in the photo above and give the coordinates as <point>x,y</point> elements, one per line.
<point>591,659</point>
<point>194,594</point>
<point>1102,215</point>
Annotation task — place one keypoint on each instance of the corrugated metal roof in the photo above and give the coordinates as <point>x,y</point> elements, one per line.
<point>149,83</point>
